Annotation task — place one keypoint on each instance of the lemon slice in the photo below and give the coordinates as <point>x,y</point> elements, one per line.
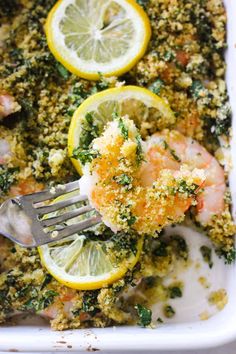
<point>90,261</point>
<point>140,104</point>
<point>92,37</point>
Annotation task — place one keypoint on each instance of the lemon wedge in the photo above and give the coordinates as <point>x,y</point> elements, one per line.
<point>140,104</point>
<point>88,262</point>
<point>93,37</point>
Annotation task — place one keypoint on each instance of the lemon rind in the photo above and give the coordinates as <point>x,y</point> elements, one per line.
<point>90,284</point>
<point>95,75</point>
<point>150,98</point>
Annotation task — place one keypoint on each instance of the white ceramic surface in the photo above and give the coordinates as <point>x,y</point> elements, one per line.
<point>188,333</point>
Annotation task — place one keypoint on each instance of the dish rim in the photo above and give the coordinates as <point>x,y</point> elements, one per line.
<point>183,336</point>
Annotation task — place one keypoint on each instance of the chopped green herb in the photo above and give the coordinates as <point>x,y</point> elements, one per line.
<point>90,131</point>
<point>90,302</point>
<point>144,314</point>
<point>46,281</point>
<point>139,150</point>
<point>124,180</point>
<point>47,299</point>
<point>123,128</point>
<point>62,71</point>
<point>123,241</point>
<point>143,3</point>
<point>172,152</point>
<point>7,177</point>
<point>175,292</point>
<point>160,320</point>
<point>39,304</point>
<point>128,217</point>
<point>168,56</point>
<point>100,85</point>
<point>223,120</point>
<point>191,189</point>
<point>76,312</point>
<point>160,250</point>
<point>11,280</point>
<point>174,155</point>
<point>207,255</point>
<point>168,311</point>
<point>76,97</point>
<point>156,86</point>
<point>85,155</point>
<point>149,282</point>
<point>22,292</point>
<point>115,115</point>
<point>5,303</point>
<point>9,8</point>
<point>197,89</point>
<point>229,256</point>
<point>89,117</point>
<point>131,220</point>
<point>180,246</point>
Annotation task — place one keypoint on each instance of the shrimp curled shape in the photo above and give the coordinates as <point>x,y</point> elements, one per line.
<point>143,185</point>
<point>171,149</point>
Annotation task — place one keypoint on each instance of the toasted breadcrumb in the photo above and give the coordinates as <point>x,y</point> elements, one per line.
<point>118,189</point>
<point>218,298</point>
<point>184,65</point>
<point>204,316</point>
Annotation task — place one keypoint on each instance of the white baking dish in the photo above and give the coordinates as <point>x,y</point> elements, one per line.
<point>188,334</point>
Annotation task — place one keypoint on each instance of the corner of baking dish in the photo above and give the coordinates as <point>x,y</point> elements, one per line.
<point>215,331</point>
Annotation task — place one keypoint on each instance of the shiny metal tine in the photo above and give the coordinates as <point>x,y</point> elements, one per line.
<point>66,216</point>
<point>47,193</point>
<point>73,229</point>
<point>59,205</point>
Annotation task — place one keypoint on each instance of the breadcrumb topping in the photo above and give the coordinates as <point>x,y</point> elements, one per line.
<point>185,65</point>
<point>119,190</point>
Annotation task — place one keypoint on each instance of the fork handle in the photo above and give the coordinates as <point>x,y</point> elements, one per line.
<point>14,224</point>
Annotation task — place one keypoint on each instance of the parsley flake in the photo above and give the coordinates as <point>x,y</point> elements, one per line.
<point>172,151</point>
<point>124,180</point>
<point>123,128</point>
<point>144,314</point>
<point>207,255</point>
<point>85,155</point>
<point>169,312</point>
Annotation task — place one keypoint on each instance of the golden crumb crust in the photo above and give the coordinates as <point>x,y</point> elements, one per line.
<point>185,65</point>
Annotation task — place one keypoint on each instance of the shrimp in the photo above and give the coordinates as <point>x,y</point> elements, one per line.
<point>171,149</point>
<point>8,105</point>
<point>64,309</point>
<point>133,194</point>
<point>62,305</point>
<point>26,186</point>
<point>5,151</point>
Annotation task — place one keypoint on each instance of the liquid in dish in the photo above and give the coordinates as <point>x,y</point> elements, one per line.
<point>184,65</point>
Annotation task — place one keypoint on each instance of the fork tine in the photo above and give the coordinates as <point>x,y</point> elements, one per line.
<point>47,194</point>
<point>73,229</point>
<point>66,216</point>
<point>59,205</point>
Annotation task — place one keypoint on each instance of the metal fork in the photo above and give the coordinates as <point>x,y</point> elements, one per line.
<point>26,221</point>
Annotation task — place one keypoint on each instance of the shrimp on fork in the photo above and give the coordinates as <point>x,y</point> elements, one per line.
<point>133,194</point>
<point>171,149</point>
